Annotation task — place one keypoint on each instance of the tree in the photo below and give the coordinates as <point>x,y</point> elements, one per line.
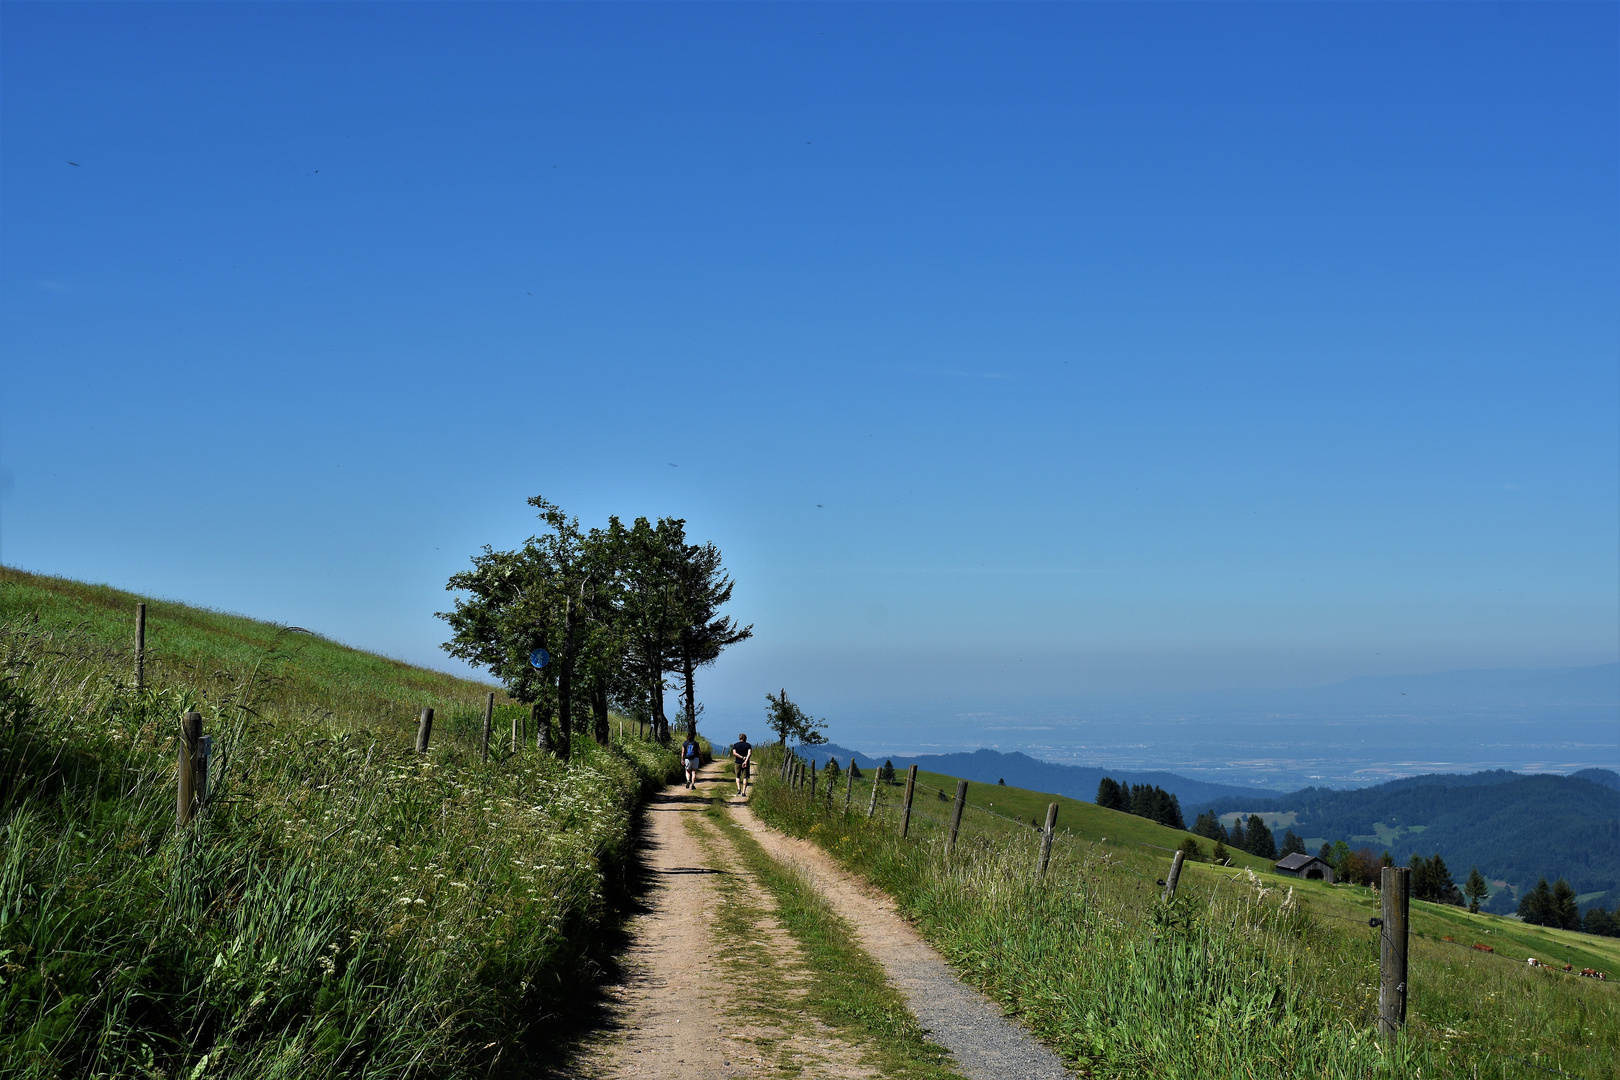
<point>1209,826</point>
<point>1536,906</point>
<point>701,589</point>
<point>832,772</point>
<point>1565,913</point>
<point>647,555</point>
<point>1476,889</point>
<point>1108,794</point>
<point>548,594</point>
<point>886,773</point>
<point>1598,921</point>
<point>1292,843</point>
<point>1220,855</point>
<point>1431,880</point>
<point>854,769</point>
<point>1191,850</point>
<point>1261,842</point>
<point>791,722</point>
<point>1236,837</point>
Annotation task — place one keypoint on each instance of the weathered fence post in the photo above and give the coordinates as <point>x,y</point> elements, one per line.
<point>424,730</point>
<point>905,813</point>
<point>849,784</point>
<point>871,807</point>
<point>140,646</point>
<point>812,778</point>
<point>1174,877</point>
<point>1046,841</point>
<point>956,815</point>
<point>1394,884</point>
<point>787,760</point>
<point>517,720</point>
<point>489,718</point>
<point>186,796</point>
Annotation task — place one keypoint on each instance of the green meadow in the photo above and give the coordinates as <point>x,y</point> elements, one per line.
<point>343,906</point>
<point>1245,973</point>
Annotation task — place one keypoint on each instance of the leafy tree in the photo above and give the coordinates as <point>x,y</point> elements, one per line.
<point>832,772</point>
<point>1261,842</point>
<point>1565,913</point>
<point>791,722</point>
<point>1108,794</point>
<point>1536,906</point>
<point>886,773</point>
<point>1292,843</point>
<point>551,594</point>
<point>647,555</point>
<point>1361,867</point>
<point>1476,889</point>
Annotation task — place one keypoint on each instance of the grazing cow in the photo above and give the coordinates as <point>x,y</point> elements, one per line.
<point>1485,948</point>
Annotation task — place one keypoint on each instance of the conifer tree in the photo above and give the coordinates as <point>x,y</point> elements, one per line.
<point>886,773</point>
<point>1261,842</point>
<point>1536,905</point>
<point>1236,836</point>
<point>1292,843</point>
<point>1220,854</point>
<point>1564,911</point>
<point>1476,889</point>
<point>1108,794</point>
<point>1209,826</point>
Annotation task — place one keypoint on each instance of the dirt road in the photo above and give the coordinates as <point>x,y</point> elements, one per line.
<point>714,986</point>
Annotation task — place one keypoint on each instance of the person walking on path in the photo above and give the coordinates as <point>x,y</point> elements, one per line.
<point>742,756</point>
<point>691,757</point>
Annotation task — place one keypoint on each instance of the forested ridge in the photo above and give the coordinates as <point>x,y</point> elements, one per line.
<point>1513,827</point>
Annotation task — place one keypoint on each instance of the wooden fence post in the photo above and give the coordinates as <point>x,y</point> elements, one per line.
<point>1394,885</point>
<point>956,815</point>
<point>489,718</point>
<point>812,778</point>
<point>871,807</point>
<point>186,796</point>
<point>140,646</point>
<point>1174,879</point>
<point>1046,841</point>
<point>424,730</point>
<point>905,813</point>
<point>516,720</point>
<point>849,784</point>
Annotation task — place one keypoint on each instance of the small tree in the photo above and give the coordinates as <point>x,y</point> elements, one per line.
<point>1600,922</point>
<point>1191,850</point>
<point>1220,855</point>
<point>886,773</point>
<point>1292,843</point>
<point>854,769</point>
<point>1209,826</point>
<point>1476,890</point>
<point>832,772</point>
<point>791,722</point>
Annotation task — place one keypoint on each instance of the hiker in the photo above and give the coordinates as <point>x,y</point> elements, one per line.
<point>742,756</point>
<point>691,756</point>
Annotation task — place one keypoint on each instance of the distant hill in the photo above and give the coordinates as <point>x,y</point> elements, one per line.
<point>1021,770</point>
<point>1514,827</point>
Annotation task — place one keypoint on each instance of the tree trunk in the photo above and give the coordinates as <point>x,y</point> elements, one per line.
<point>565,686</point>
<point>599,707</point>
<point>691,696</point>
<point>542,726</point>
<point>660,722</point>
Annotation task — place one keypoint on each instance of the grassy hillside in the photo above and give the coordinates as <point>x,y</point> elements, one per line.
<point>343,907</point>
<point>1245,974</point>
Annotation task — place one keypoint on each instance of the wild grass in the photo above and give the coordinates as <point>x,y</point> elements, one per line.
<point>1242,975</point>
<point>343,907</point>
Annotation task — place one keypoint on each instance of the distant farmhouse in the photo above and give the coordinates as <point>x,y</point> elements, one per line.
<point>1301,865</point>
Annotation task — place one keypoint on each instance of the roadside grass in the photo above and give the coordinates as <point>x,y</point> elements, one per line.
<point>1245,974</point>
<point>847,990</point>
<point>343,907</point>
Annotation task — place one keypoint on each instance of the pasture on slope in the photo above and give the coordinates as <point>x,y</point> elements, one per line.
<point>345,906</point>
<point>1245,973</point>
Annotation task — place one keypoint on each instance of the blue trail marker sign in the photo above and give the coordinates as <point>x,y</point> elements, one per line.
<point>539,658</point>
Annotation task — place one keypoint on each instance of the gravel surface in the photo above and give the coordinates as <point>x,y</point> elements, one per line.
<point>986,1045</point>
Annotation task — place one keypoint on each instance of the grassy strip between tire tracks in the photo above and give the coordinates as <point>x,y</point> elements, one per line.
<point>847,990</point>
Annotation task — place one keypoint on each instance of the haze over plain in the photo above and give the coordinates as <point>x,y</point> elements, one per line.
<point>1050,376</point>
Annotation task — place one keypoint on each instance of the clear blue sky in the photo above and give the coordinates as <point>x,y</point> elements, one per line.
<point>1012,354</point>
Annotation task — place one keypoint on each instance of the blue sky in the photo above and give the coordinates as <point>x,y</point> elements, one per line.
<point>1012,354</point>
